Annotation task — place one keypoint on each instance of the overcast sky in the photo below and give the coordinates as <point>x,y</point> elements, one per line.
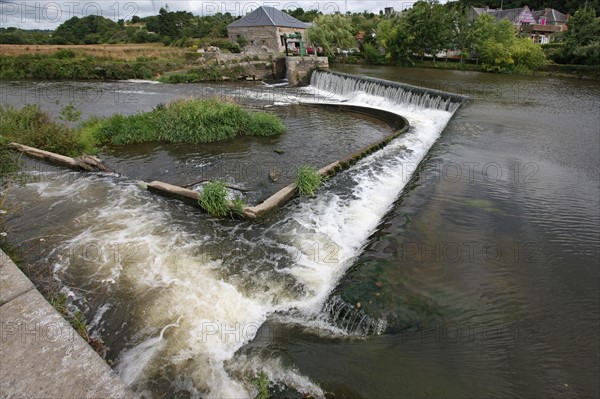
<point>48,14</point>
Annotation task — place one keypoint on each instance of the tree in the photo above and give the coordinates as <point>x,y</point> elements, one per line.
<point>92,29</point>
<point>582,38</point>
<point>481,30</point>
<point>430,27</point>
<point>332,31</point>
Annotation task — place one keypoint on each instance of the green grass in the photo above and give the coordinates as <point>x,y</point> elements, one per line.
<point>262,384</point>
<point>189,121</point>
<point>31,126</point>
<point>81,67</point>
<point>238,205</point>
<point>183,121</point>
<point>308,181</point>
<point>213,199</point>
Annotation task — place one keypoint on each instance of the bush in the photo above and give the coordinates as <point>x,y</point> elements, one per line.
<point>63,54</point>
<point>527,54</point>
<point>213,199</point>
<point>308,180</point>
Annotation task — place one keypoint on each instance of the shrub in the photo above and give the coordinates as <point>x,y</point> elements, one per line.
<point>63,54</point>
<point>527,54</point>
<point>213,199</point>
<point>308,180</point>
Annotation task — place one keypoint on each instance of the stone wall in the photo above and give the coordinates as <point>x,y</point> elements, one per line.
<point>263,39</point>
<point>299,69</point>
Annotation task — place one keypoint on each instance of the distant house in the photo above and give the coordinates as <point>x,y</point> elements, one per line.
<point>263,30</point>
<point>538,25</point>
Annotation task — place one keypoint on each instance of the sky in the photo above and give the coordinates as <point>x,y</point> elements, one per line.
<point>48,14</point>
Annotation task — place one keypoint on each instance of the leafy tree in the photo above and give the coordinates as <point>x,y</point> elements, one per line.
<point>429,25</point>
<point>481,30</point>
<point>332,31</point>
<point>92,29</point>
<point>582,38</point>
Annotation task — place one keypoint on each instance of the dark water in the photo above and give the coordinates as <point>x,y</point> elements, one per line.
<point>485,268</point>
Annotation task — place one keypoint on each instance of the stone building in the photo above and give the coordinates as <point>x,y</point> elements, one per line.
<point>263,30</point>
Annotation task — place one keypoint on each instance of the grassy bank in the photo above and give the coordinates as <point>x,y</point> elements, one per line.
<point>67,64</point>
<point>213,73</point>
<point>183,121</point>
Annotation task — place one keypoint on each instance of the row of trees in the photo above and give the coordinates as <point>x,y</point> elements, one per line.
<point>429,29</point>
<point>165,27</point>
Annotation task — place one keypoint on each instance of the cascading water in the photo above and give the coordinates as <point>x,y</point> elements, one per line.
<point>413,96</point>
<point>215,283</point>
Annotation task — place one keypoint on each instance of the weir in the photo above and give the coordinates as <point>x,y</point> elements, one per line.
<point>219,278</point>
<point>400,93</point>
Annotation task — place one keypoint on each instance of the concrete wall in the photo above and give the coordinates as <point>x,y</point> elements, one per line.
<point>299,69</point>
<point>263,39</point>
<point>41,355</point>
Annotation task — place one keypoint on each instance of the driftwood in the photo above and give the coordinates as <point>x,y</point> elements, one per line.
<point>84,162</point>
<point>91,163</point>
<point>209,180</point>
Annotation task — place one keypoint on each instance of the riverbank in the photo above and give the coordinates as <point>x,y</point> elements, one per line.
<point>551,70</point>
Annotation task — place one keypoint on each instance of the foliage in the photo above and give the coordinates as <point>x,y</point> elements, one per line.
<point>92,29</point>
<point>188,121</point>
<point>564,6</point>
<point>213,199</point>
<point>183,121</point>
<point>31,126</point>
<point>495,56</point>
<point>10,164</point>
<point>237,205</point>
<point>262,383</point>
<point>308,180</point>
<point>527,54</point>
<point>332,32</point>
<point>304,16</point>
<point>69,114</point>
<point>429,26</point>
<point>582,38</point>
<point>209,73</point>
<point>62,65</point>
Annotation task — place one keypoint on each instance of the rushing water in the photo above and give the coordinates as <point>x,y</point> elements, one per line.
<point>476,276</point>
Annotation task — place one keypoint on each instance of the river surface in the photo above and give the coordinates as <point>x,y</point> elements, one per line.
<point>459,261</point>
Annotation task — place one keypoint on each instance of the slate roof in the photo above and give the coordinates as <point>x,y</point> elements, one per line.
<point>514,15</point>
<point>268,16</point>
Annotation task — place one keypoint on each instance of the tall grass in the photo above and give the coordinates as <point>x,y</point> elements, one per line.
<point>189,121</point>
<point>31,126</point>
<point>308,180</point>
<point>213,199</point>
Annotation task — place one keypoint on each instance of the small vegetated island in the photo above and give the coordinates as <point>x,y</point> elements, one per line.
<point>191,121</point>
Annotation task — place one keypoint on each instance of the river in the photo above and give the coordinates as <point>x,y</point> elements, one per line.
<point>460,261</point>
